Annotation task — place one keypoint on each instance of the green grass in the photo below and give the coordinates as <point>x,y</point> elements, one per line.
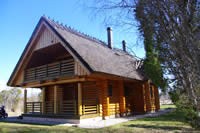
<point>165,106</point>
<point>172,122</point>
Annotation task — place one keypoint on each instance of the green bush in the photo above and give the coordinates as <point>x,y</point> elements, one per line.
<point>191,115</point>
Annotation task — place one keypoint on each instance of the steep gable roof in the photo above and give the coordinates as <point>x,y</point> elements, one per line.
<point>91,52</point>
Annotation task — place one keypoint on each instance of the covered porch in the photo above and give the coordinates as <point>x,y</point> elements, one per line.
<point>69,101</point>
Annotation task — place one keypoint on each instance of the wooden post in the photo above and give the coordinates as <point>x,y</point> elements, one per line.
<point>25,101</point>
<point>105,99</point>
<point>122,100</point>
<point>147,96</point>
<point>43,100</point>
<point>144,97</point>
<point>79,99</point>
<point>55,99</point>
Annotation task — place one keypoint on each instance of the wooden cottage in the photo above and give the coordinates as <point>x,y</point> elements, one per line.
<point>80,77</point>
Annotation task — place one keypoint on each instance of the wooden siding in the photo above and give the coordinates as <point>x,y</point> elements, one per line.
<point>67,99</point>
<point>46,38</point>
<point>134,98</point>
<point>114,99</point>
<point>90,101</point>
<point>122,99</point>
<point>56,69</point>
<point>49,100</point>
<point>65,103</point>
<point>102,86</point>
<point>79,70</point>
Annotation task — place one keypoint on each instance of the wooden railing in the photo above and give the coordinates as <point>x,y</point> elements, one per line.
<point>65,67</point>
<point>90,106</point>
<point>67,107</point>
<point>114,108</point>
<point>33,107</point>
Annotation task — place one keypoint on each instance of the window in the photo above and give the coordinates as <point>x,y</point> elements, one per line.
<point>110,90</point>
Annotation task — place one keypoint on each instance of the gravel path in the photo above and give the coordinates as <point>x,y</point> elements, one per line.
<point>91,123</point>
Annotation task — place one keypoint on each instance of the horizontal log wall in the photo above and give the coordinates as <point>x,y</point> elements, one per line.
<point>114,99</point>
<point>49,100</point>
<point>134,98</point>
<point>90,101</point>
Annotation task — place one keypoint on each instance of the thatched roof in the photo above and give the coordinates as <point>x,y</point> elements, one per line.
<point>91,52</point>
<point>97,55</point>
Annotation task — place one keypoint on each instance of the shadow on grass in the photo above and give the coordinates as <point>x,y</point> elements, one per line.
<point>168,128</point>
<point>169,122</point>
<point>172,116</point>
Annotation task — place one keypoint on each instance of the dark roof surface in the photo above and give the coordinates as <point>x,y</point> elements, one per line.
<point>97,55</point>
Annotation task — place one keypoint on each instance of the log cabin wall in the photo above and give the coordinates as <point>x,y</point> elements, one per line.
<point>102,86</point>
<point>114,99</point>
<point>134,98</point>
<point>90,101</point>
<point>49,100</point>
<point>66,96</point>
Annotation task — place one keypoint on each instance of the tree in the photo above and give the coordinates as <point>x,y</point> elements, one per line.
<point>171,32</point>
<point>10,98</point>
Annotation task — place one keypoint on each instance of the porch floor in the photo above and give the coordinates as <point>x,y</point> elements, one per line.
<point>91,122</point>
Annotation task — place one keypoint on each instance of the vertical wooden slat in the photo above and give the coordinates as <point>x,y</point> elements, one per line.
<point>79,99</point>
<point>25,100</point>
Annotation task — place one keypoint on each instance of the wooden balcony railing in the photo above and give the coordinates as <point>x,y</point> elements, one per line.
<point>48,71</point>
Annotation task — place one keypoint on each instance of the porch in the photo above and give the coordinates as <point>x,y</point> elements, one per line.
<point>68,101</point>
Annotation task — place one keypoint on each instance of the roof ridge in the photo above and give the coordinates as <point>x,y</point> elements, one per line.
<point>74,31</point>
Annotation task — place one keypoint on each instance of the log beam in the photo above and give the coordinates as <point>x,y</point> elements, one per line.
<point>79,99</point>
<point>25,100</point>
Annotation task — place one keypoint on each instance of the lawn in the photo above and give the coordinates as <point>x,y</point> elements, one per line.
<point>172,122</point>
<point>165,106</point>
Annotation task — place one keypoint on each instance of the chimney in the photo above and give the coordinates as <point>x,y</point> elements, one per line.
<point>124,45</point>
<point>109,34</point>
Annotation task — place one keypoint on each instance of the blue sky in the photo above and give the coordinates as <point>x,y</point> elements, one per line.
<point>18,19</point>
